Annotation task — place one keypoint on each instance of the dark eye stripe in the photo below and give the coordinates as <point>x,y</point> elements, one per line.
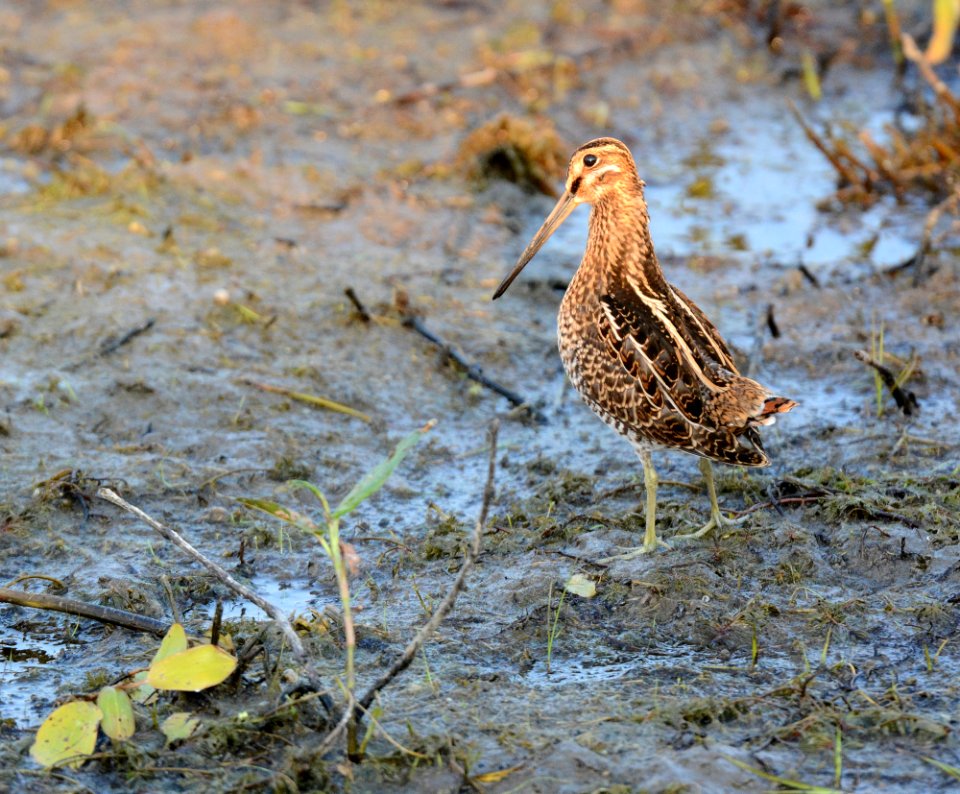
<point>589,160</point>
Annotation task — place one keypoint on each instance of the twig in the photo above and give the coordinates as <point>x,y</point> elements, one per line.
<point>772,322</point>
<point>171,599</point>
<point>355,709</point>
<point>906,400</point>
<point>842,168</point>
<point>470,370</point>
<point>881,157</point>
<point>926,238</point>
<point>70,606</point>
<point>309,399</point>
<point>331,738</point>
<point>215,624</point>
<point>112,345</point>
<point>914,54</point>
<point>279,618</point>
<point>788,500</point>
<point>362,312</point>
<point>809,275</point>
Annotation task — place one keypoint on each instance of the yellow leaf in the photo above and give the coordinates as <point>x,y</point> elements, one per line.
<point>497,775</point>
<point>118,722</point>
<point>179,725</point>
<point>69,732</point>
<point>946,14</point>
<point>580,585</point>
<point>192,670</point>
<point>225,640</point>
<point>174,642</point>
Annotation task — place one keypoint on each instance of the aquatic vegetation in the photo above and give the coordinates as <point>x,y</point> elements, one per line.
<point>68,735</point>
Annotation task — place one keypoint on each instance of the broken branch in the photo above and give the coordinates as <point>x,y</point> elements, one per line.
<point>70,606</point>
<point>242,590</point>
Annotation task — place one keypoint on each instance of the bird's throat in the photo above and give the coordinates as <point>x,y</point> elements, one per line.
<point>619,246</point>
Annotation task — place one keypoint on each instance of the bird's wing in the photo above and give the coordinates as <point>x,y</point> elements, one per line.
<point>671,355</point>
<point>704,331</point>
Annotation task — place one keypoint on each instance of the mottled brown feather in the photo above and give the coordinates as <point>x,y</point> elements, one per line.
<point>644,357</point>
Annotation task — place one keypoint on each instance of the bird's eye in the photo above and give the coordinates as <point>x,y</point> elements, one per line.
<point>590,160</point>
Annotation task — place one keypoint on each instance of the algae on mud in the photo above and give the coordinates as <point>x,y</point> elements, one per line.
<point>243,150</point>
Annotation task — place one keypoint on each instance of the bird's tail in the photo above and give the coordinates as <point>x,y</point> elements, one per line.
<point>771,407</point>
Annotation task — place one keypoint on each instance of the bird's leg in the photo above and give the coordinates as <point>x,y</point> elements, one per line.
<point>716,518</point>
<point>650,541</point>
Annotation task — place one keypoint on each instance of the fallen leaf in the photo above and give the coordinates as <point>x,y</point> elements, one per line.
<point>192,670</point>
<point>350,558</point>
<point>118,722</point>
<point>179,725</point>
<point>69,732</point>
<point>580,585</point>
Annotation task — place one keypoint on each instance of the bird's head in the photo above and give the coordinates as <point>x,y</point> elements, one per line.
<point>598,169</point>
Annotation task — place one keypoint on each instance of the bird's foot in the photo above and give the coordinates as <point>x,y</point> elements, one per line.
<point>716,523</point>
<point>632,554</point>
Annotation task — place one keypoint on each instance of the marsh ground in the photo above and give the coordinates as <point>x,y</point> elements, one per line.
<point>159,158</point>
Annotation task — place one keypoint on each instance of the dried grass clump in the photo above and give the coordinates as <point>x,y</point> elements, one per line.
<point>527,153</point>
<point>924,161</point>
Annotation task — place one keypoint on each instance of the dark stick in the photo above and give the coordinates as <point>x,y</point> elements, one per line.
<point>113,345</point>
<point>215,625</point>
<point>70,606</point>
<point>772,322</point>
<point>470,370</point>
<point>906,400</point>
<point>808,275</point>
<point>809,498</point>
<point>361,309</point>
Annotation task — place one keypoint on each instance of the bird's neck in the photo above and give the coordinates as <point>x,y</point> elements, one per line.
<point>619,245</point>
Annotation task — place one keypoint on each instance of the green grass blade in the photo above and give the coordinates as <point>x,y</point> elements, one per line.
<point>281,512</point>
<point>838,758</point>
<point>377,476</point>
<point>314,490</point>
<point>792,785</point>
<point>950,770</point>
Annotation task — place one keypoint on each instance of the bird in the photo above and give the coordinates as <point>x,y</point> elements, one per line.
<point>642,355</point>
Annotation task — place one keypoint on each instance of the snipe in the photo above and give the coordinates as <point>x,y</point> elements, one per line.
<point>640,352</point>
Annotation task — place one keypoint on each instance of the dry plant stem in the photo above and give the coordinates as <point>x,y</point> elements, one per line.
<point>933,218</point>
<point>355,708</point>
<point>113,345</point>
<point>914,54</point>
<point>331,738</point>
<point>70,606</point>
<point>343,586</point>
<point>279,618</point>
<point>906,400</point>
<point>882,159</point>
<point>847,173</point>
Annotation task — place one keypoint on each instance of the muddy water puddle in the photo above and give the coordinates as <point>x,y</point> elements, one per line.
<point>844,589</point>
<point>726,198</point>
<point>723,197</point>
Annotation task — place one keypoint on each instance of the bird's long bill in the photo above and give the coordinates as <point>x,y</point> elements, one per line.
<point>557,216</point>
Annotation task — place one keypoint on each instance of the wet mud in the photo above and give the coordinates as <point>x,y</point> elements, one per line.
<point>187,192</point>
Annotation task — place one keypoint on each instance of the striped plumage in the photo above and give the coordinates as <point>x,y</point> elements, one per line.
<point>640,352</point>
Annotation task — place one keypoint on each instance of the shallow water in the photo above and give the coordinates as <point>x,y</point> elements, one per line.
<point>283,210</point>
